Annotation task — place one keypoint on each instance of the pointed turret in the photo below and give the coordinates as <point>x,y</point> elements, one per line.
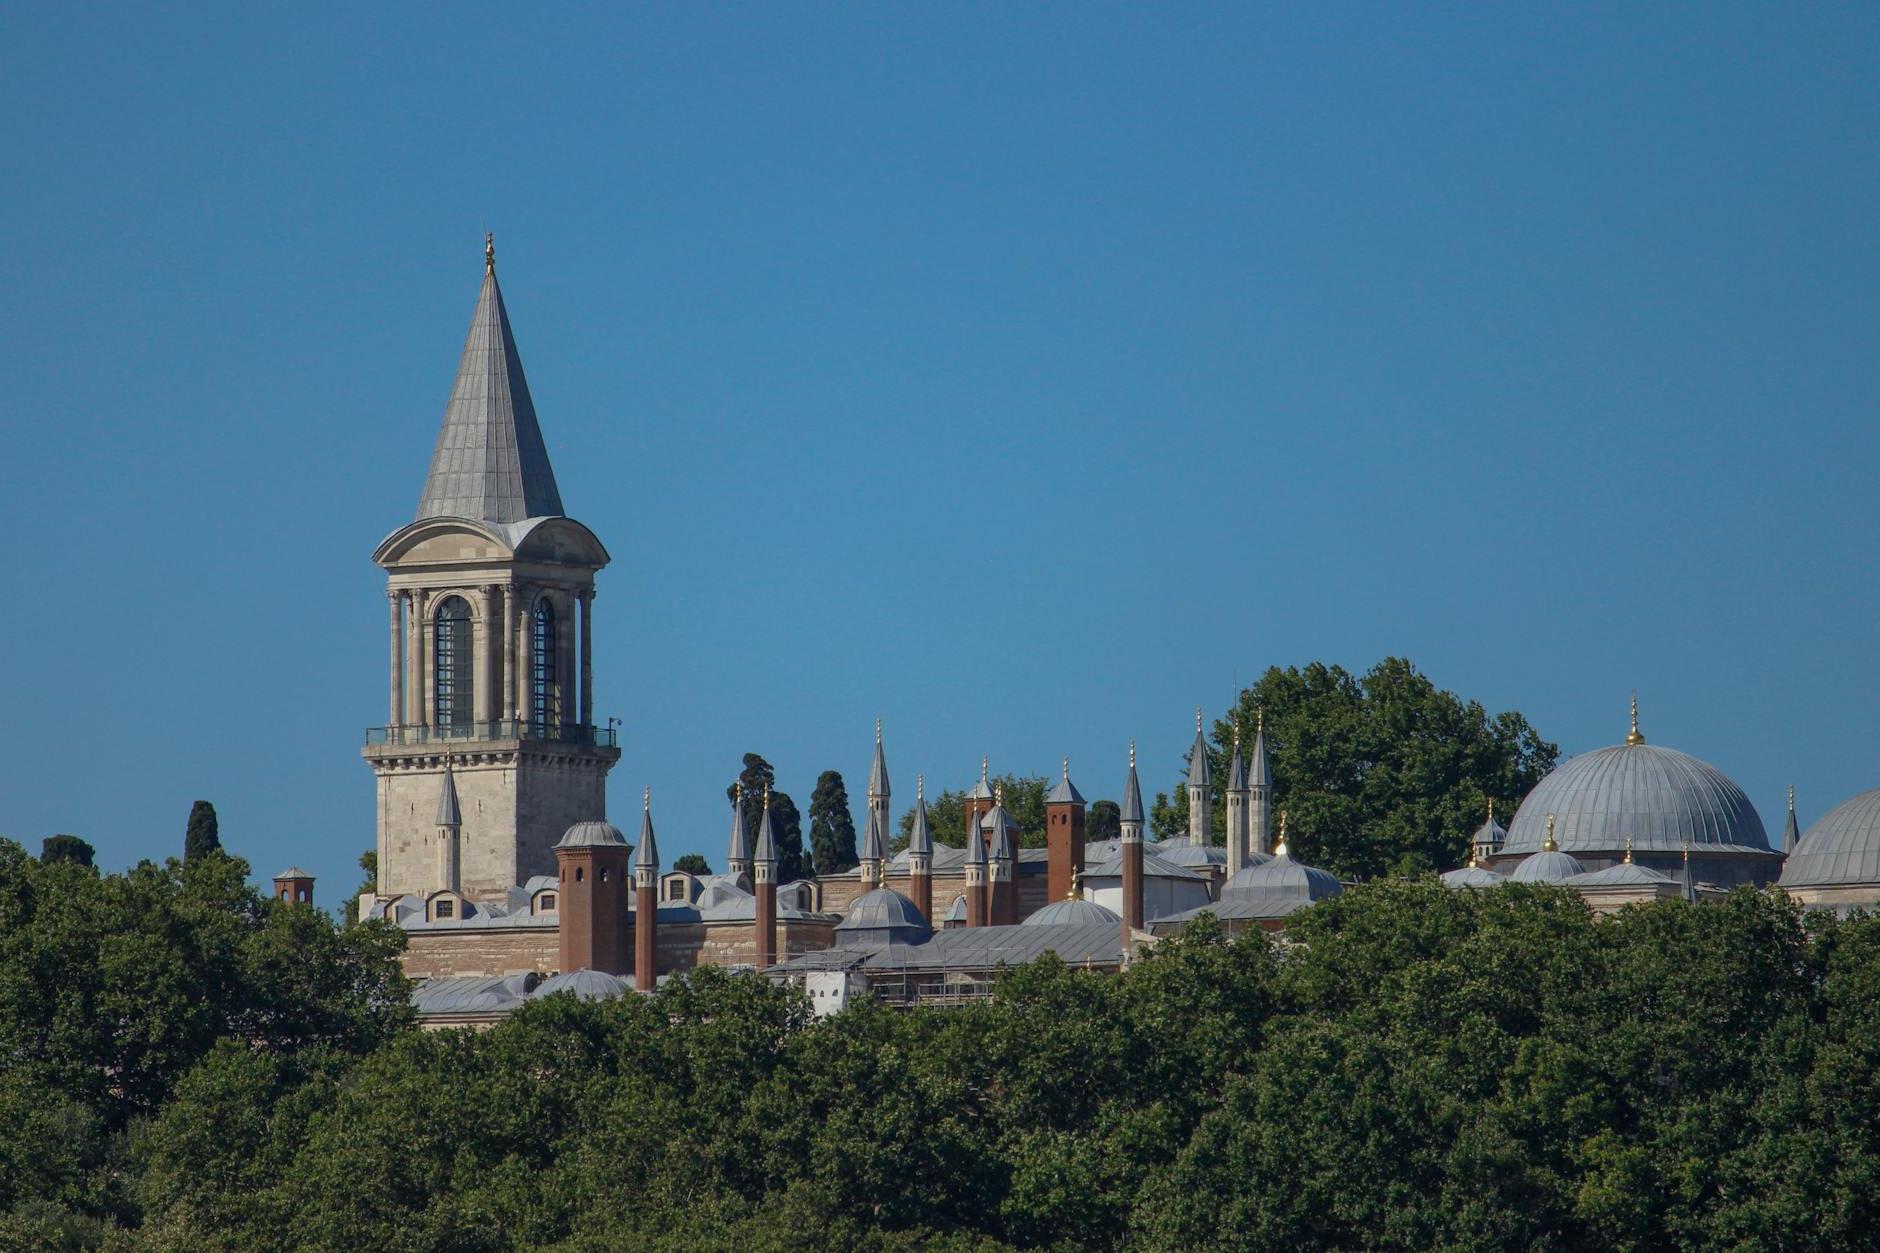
<point>874,851</point>
<point>1236,808</point>
<point>1200,794</point>
<point>448,813</point>
<point>1130,822</point>
<point>766,851</point>
<point>920,853</point>
<point>646,900</point>
<point>490,463</point>
<point>976,874</point>
<point>449,877</point>
<point>1063,835</point>
<point>738,858</point>
<point>1791,833</point>
<point>1688,886</point>
<point>1002,860</point>
<point>878,769</point>
<point>1131,808</point>
<point>764,872</point>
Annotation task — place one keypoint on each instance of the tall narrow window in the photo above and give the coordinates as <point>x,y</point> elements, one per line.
<point>544,711</point>
<point>455,666</point>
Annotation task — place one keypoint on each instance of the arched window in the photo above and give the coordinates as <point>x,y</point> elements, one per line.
<point>543,711</point>
<point>454,666</point>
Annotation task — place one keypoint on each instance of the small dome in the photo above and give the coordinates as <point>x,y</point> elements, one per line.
<point>1842,847</point>
<point>591,834</point>
<point>1624,875</point>
<point>1075,912</point>
<point>1282,876</point>
<point>1659,797</point>
<point>589,985</point>
<point>882,909</point>
<point>1473,877</point>
<point>1490,834</point>
<point>1548,867</point>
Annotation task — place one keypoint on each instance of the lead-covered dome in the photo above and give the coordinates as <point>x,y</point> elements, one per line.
<point>1281,876</point>
<point>1842,847</point>
<point>883,914</point>
<point>592,835</point>
<point>1548,866</point>
<point>1071,913</point>
<point>1658,798</point>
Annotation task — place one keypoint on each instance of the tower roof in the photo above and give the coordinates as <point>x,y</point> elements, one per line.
<point>490,462</point>
<point>920,840</point>
<point>740,838</point>
<point>1237,768</point>
<point>1065,792</point>
<point>878,769</point>
<point>1259,770</point>
<point>448,814</point>
<point>874,839</point>
<point>1199,772</point>
<point>766,838</point>
<point>648,852</point>
<point>1132,792</point>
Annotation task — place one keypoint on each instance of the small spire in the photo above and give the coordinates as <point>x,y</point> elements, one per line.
<point>1259,719</point>
<point>1067,776</point>
<point>1279,849</point>
<point>1197,720</point>
<point>877,730</point>
<point>1791,798</point>
<point>1633,736</point>
<point>646,799</point>
<point>920,787</point>
<point>985,765</point>
<point>1548,845</point>
<point>998,794</point>
<point>1132,754</point>
<point>1491,809</point>
<point>489,252</point>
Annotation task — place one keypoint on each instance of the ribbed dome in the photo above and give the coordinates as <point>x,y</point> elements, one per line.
<point>588,985</point>
<point>1473,877</point>
<point>1548,867</point>
<point>1072,913</point>
<point>589,834</point>
<point>1182,852</point>
<point>883,909</point>
<point>1282,876</point>
<point>1658,797</point>
<point>1842,847</point>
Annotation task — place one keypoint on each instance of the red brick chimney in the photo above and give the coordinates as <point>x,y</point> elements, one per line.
<point>592,863</point>
<point>1063,836</point>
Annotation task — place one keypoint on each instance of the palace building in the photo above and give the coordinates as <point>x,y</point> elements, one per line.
<point>496,858</point>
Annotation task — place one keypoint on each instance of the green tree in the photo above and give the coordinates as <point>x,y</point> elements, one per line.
<point>1103,821</point>
<point>693,863</point>
<point>203,836</point>
<point>66,848</point>
<point>1377,773</point>
<point>946,813</point>
<point>831,829</point>
<point>786,821</point>
<point>369,863</point>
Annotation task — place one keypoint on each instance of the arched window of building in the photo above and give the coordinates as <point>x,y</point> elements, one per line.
<point>455,666</point>
<point>543,711</point>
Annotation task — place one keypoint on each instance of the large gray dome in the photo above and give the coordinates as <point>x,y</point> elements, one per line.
<point>1281,876</point>
<point>1842,847</point>
<point>1074,912</point>
<point>592,835</point>
<point>883,914</point>
<point>1658,798</point>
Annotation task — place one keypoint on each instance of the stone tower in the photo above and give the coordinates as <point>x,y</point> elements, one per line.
<point>491,594</point>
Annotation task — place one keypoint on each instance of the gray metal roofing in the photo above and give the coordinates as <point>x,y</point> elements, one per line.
<point>766,838</point>
<point>1243,909</point>
<point>1131,810</point>
<point>874,840</point>
<point>490,462</point>
<point>592,834</point>
<point>1281,877</point>
<point>1074,912</point>
<point>472,994</point>
<point>976,949</point>
<point>1237,771</point>
<point>1658,797</point>
<point>1259,770</point>
<point>1840,847</point>
<point>920,840</point>
<point>1153,867</point>
<point>878,769</point>
<point>881,908</point>
<point>1545,867</point>
<point>1185,852</point>
<point>588,985</point>
<point>1790,835</point>
<point>1200,773</point>
<point>740,848</point>
<point>1473,877</point>
<point>1492,833</point>
<point>1623,875</point>
<point>448,814</point>
<point>1064,792</point>
<point>293,872</point>
<point>648,852</point>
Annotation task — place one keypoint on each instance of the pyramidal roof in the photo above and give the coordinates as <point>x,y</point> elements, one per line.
<point>490,463</point>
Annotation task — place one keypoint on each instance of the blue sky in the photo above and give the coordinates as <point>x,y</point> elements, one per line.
<point>1021,375</point>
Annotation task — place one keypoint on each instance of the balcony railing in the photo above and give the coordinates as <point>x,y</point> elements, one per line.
<point>594,737</point>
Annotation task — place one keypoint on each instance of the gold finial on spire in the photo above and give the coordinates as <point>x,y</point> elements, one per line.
<point>737,790</point>
<point>1548,845</point>
<point>1132,754</point>
<point>1628,850</point>
<point>1632,736</point>
<point>998,793</point>
<point>985,764</point>
<point>1279,849</point>
<point>877,730</point>
<point>489,252</point>
<point>1259,719</point>
<point>646,799</point>
<point>766,796</point>
<point>1076,890</point>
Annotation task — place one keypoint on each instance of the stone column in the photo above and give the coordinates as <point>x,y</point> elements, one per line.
<point>509,651</point>
<point>427,668</point>
<point>398,658</point>
<point>482,635</point>
<point>587,657</point>
<point>525,660</point>
<point>412,689</point>
<point>564,660</point>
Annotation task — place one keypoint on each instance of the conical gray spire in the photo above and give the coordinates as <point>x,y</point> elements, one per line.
<point>1237,769</point>
<point>975,850</point>
<point>1259,771</point>
<point>648,852</point>
<point>490,463</point>
<point>1199,772</point>
<point>921,840</point>
<point>766,838</point>
<point>448,814</point>
<point>1004,838</point>
<point>874,840</point>
<point>1791,834</point>
<point>1132,792</point>
<point>740,853</point>
<point>878,772</point>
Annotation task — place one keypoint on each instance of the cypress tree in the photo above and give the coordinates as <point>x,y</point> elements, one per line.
<point>203,836</point>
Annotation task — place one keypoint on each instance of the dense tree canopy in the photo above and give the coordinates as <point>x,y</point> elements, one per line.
<point>1378,772</point>
<point>693,863</point>
<point>66,848</point>
<point>831,827</point>
<point>946,813</point>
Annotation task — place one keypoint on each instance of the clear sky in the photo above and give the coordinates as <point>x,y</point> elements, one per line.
<point>1019,374</point>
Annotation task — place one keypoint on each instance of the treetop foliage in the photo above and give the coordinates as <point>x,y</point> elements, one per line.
<point>831,826</point>
<point>203,835</point>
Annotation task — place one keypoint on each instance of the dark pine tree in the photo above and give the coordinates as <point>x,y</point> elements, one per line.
<point>693,863</point>
<point>203,836</point>
<point>786,822</point>
<point>55,848</point>
<point>1103,821</point>
<point>831,828</point>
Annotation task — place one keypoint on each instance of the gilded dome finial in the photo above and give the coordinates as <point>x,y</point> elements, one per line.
<point>1628,850</point>
<point>1279,849</point>
<point>489,252</point>
<point>1548,845</point>
<point>1632,736</point>
<point>1076,890</point>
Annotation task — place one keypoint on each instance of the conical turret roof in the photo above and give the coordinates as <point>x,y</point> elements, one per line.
<point>920,840</point>
<point>648,852</point>
<point>1200,774</point>
<point>766,838</point>
<point>740,850</point>
<point>878,769</point>
<point>490,462</point>
<point>1131,810</point>
<point>448,814</point>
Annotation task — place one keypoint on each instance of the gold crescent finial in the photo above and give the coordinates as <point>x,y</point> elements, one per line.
<point>1548,845</point>
<point>1633,736</point>
<point>489,252</point>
